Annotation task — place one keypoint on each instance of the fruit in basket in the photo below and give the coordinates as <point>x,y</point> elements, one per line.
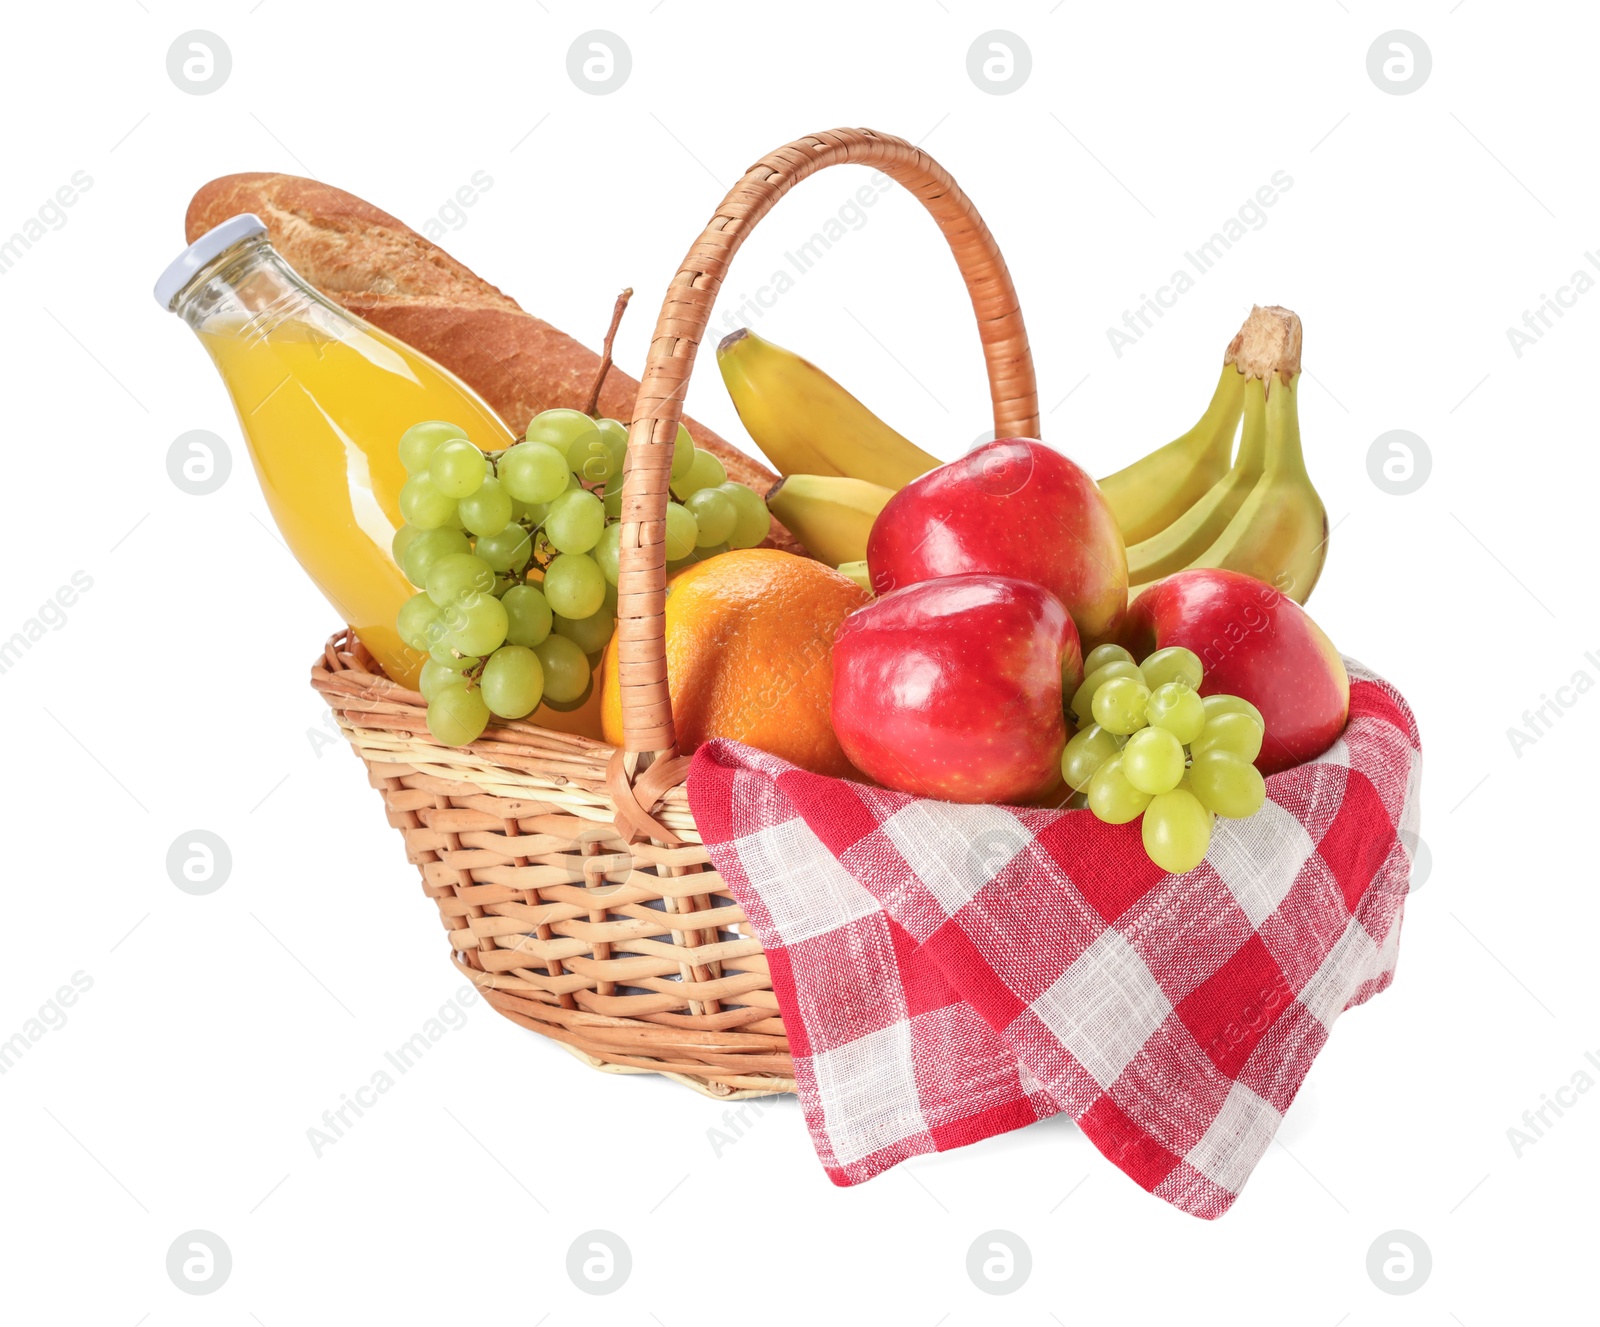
<point>1227,783</point>
<point>1087,750</point>
<point>683,532</point>
<point>1220,704</point>
<point>574,585</point>
<point>1177,708</point>
<point>1233,734</point>
<point>528,615</point>
<point>704,471</point>
<point>1012,507</point>
<point>457,714</point>
<point>1165,754</point>
<point>1112,796</point>
<point>568,675</point>
<point>1262,515</point>
<point>513,682</point>
<point>1170,487</point>
<point>752,518</point>
<point>1174,663</point>
<point>1256,643</point>
<point>857,571</point>
<point>714,516</point>
<point>1104,653</point>
<point>575,521</point>
<point>533,472</point>
<point>422,505</point>
<point>953,688</point>
<point>831,515</point>
<point>805,423</point>
<point>1153,760</point>
<point>1080,702</point>
<point>474,626</point>
<point>1119,705</point>
<point>519,560</point>
<point>1157,489</point>
<point>457,468</point>
<point>1176,830</point>
<point>683,454</point>
<point>749,639</point>
<point>1194,529</point>
<point>577,437</point>
<point>1280,532</point>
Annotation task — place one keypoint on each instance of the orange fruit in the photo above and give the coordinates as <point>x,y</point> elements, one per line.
<point>584,720</point>
<point>749,638</point>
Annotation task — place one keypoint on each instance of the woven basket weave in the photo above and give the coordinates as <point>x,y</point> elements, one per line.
<point>569,875</point>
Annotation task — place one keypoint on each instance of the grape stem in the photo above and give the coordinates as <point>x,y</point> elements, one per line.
<point>593,407</point>
<point>472,676</point>
<point>544,552</point>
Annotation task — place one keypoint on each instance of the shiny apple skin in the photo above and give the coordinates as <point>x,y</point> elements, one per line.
<point>1012,507</point>
<point>952,688</point>
<point>1256,642</point>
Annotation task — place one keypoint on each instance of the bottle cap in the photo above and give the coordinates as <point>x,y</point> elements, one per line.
<point>216,241</point>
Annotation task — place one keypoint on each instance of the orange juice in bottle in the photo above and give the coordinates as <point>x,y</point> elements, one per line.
<point>322,398</point>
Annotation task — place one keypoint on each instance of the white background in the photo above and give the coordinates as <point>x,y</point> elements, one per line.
<point>218,1029</point>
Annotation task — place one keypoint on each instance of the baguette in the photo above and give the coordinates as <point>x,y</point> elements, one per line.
<point>379,269</point>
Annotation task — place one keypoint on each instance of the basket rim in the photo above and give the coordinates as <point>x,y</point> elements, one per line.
<point>512,758</point>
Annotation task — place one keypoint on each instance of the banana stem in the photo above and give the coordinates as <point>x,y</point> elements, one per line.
<point>1283,451</point>
<point>1268,344</point>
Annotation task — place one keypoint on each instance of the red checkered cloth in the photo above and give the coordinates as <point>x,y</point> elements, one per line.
<point>948,972</point>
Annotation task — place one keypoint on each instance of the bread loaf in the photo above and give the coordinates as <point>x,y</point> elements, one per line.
<point>380,269</point>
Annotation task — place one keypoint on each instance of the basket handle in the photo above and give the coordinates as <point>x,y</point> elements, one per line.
<point>641,598</point>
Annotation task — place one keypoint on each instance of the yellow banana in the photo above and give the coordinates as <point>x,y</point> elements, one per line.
<point>831,515</point>
<point>1280,532</point>
<point>806,423</point>
<point>1196,529</point>
<point>1157,489</point>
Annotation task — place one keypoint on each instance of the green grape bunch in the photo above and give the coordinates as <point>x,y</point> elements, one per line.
<point>1148,744</point>
<point>516,558</point>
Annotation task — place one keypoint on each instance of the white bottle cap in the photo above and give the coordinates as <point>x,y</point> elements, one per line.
<point>216,241</point>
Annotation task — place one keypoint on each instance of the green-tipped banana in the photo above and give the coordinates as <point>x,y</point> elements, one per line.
<point>806,423</point>
<point>1157,489</point>
<point>1280,533</point>
<point>1196,529</point>
<point>831,515</point>
<point>857,571</point>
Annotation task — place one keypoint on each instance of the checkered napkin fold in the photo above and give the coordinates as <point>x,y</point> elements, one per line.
<point>947,973</point>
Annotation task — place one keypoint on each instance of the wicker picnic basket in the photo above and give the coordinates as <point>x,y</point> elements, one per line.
<point>569,875</point>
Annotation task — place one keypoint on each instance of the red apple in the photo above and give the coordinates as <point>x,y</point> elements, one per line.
<point>1012,507</point>
<point>953,688</point>
<point>1256,642</point>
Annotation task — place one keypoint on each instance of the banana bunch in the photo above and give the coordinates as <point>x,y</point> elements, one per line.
<point>1184,505</point>
<point>1191,503</point>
